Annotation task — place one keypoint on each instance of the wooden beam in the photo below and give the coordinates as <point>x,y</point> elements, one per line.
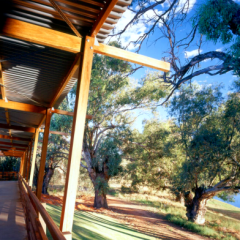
<point>131,57</point>
<point>75,151</point>
<point>41,35</point>
<point>12,127</point>
<point>21,166</point>
<point>22,107</point>
<point>15,138</point>
<point>13,144</point>
<point>29,161</point>
<point>44,154</point>
<point>64,17</point>
<point>55,132</point>
<point>12,148</point>
<point>2,82</point>
<point>66,79</point>
<point>25,164</point>
<point>103,17</point>
<point>58,111</point>
<point>13,154</point>
<point>34,157</point>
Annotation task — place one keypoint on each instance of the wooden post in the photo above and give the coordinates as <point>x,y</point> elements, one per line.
<point>21,166</point>
<point>44,154</point>
<point>75,151</point>
<point>24,164</point>
<point>29,161</point>
<point>34,157</point>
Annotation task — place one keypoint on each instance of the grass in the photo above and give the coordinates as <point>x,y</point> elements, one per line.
<point>88,226</point>
<point>202,230</point>
<point>222,219</point>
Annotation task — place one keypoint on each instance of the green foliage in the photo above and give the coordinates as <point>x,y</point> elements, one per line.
<point>209,130</point>
<point>108,154</point>
<point>101,186</point>
<point>226,197</point>
<point>202,230</point>
<point>9,164</point>
<point>214,18</point>
<point>218,21</point>
<point>153,155</point>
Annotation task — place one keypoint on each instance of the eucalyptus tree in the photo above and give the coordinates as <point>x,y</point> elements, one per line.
<point>113,97</point>
<point>209,131</point>
<point>58,146</point>
<point>153,156</point>
<point>201,21</point>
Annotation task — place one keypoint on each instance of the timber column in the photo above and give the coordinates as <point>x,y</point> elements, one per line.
<point>34,157</point>
<point>29,161</point>
<point>24,163</point>
<point>44,153</point>
<point>75,152</point>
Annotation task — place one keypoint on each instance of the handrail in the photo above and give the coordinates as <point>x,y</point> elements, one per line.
<point>52,227</point>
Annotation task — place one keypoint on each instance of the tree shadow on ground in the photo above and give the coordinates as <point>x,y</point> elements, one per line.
<point>89,225</point>
<point>229,213</point>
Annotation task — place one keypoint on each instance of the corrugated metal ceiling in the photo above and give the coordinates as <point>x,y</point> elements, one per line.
<point>33,73</point>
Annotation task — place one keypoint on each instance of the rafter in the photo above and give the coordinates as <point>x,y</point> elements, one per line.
<point>65,18</point>
<point>41,35</point>
<point>66,79</point>
<point>103,16</point>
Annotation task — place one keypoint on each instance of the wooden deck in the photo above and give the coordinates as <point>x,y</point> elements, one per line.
<point>12,223</point>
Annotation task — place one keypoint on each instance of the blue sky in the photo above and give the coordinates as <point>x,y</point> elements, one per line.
<point>156,50</point>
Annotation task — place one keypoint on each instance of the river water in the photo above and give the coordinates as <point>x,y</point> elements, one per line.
<point>236,203</point>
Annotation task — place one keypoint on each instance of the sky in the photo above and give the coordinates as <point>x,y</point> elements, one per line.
<point>156,50</point>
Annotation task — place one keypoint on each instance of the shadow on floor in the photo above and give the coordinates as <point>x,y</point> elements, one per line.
<point>89,225</point>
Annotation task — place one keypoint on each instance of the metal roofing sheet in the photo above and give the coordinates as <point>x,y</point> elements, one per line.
<point>33,73</point>
<point>81,13</point>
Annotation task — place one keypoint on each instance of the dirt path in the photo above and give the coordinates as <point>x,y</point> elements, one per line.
<point>135,216</point>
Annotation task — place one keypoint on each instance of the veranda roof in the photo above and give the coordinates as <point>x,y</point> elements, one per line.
<point>38,74</point>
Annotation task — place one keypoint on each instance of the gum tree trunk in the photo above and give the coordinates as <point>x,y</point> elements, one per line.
<point>100,199</point>
<point>196,206</point>
<point>47,178</point>
<point>49,171</point>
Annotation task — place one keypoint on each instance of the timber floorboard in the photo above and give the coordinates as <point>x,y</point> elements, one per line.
<point>12,223</point>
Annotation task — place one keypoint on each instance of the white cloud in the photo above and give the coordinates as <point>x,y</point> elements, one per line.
<point>186,5</point>
<point>193,53</point>
<point>134,31</point>
<point>219,50</point>
<point>138,29</point>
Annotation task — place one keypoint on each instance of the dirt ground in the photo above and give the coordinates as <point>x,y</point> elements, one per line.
<point>133,215</point>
